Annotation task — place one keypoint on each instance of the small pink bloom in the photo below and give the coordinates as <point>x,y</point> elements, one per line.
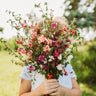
<point>17,26</point>
<point>46,48</point>
<point>64,29</point>
<point>41,39</point>
<point>30,44</point>
<point>53,25</point>
<point>49,41</point>
<point>34,34</point>
<point>73,31</point>
<point>19,41</point>
<point>30,68</point>
<point>24,27</point>
<point>32,27</point>
<point>23,51</point>
<point>19,50</point>
<point>24,21</point>
<point>30,53</point>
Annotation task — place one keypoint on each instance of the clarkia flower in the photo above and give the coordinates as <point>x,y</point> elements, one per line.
<point>34,34</point>
<point>53,25</point>
<point>41,58</point>
<point>73,31</point>
<point>49,41</point>
<point>23,51</point>
<point>19,41</point>
<point>56,54</point>
<point>46,48</point>
<point>64,29</point>
<point>30,53</point>
<point>30,68</point>
<point>45,67</point>
<point>19,50</point>
<point>41,39</point>
<point>30,44</point>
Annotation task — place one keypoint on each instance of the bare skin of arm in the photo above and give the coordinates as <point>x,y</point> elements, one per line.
<point>62,91</point>
<point>47,87</point>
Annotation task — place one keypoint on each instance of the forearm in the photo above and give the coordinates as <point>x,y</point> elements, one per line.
<point>32,93</point>
<point>70,92</point>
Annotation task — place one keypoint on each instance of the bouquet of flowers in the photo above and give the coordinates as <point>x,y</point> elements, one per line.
<point>46,46</point>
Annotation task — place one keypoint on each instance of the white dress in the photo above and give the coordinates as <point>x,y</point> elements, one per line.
<point>64,80</point>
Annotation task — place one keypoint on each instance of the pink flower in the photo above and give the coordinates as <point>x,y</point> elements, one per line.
<point>46,48</point>
<point>67,46</point>
<point>23,51</point>
<point>19,50</point>
<point>32,27</point>
<point>30,68</point>
<point>53,25</point>
<point>41,39</point>
<point>30,44</point>
<point>73,31</point>
<point>19,41</point>
<point>64,29</point>
<point>49,41</point>
<point>34,34</point>
<point>30,53</point>
<point>17,26</point>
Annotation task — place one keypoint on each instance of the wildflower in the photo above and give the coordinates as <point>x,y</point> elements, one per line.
<point>64,29</point>
<point>46,48</point>
<point>23,51</point>
<point>34,34</point>
<point>30,44</point>
<point>73,31</point>
<point>30,53</point>
<point>19,41</point>
<point>19,50</point>
<point>53,25</point>
<point>59,66</point>
<point>41,39</point>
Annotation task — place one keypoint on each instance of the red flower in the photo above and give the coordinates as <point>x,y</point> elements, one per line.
<point>64,29</point>
<point>30,44</point>
<point>69,40</point>
<point>56,54</point>
<point>54,44</point>
<point>59,50</point>
<point>65,72</point>
<point>73,31</point>
<point>19,41</point>
<point>67,46</point>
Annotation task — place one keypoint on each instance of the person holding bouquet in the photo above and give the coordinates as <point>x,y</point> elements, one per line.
<point>51,84</point>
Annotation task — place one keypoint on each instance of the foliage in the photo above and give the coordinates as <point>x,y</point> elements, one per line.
<point>84,19</point>
<point>1,29</point>
<point>85,60</point>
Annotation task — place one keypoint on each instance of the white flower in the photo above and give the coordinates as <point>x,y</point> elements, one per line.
<point>51,57</point>
<point>45,61</point>
<point>59,67</point>
<point>70,57</point>
<point>41,66</point>
<point>50,60</point>
<point>60,57</point>
<point>68,49</point>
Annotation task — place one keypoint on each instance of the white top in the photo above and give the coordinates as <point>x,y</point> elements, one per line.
<point>64,80</point>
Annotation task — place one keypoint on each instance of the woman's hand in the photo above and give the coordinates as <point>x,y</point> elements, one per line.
<point>49,86</point>
<point>58,92</point>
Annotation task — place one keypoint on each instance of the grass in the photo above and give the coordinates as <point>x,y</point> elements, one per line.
<point>9,81</point>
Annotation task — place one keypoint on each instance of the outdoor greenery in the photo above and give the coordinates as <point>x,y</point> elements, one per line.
<point>85,19</point>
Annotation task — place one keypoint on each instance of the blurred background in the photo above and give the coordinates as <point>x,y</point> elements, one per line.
<point>84,61</point>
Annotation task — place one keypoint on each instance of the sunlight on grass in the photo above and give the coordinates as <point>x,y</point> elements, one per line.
<point>9,81</point>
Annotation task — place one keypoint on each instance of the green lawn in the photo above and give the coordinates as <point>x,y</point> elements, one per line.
<point>9,81</point>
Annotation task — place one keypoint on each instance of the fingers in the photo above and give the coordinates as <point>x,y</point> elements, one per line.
<point>54,86</point>
<point>53,94</point>
<point>52,90</point>
<point>52,80</point>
